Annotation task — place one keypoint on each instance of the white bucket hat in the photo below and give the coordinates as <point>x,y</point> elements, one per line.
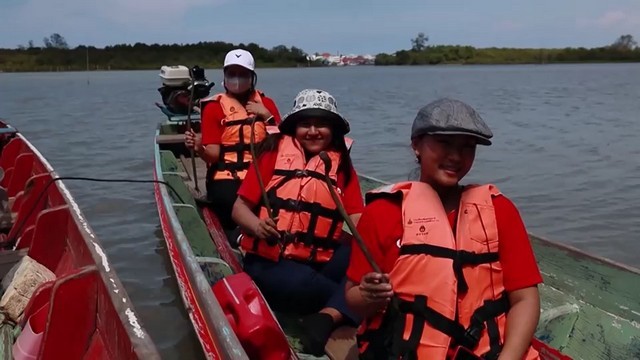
<point>314,103</point>
<point>240,57</point>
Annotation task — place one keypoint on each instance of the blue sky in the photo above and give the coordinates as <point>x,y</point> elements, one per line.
<point>347,26</point>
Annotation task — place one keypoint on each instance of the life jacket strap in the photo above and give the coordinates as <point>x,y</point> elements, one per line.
<point>246,121</point>
<point>461,258</point>
<point>240,148</point>
<point>483,318</point>
<point>291,174</point>
<point>293,205</point>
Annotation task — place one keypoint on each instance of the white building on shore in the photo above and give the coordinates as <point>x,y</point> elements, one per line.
<point>342,60</point>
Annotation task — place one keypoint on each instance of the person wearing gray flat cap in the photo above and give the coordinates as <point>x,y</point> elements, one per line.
<point>458,278</point>
<point>451,117</point>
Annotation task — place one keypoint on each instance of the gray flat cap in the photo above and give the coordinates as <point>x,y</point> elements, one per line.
<point>451,117</point>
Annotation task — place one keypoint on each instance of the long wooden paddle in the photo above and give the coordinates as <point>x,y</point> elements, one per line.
<point>327,169</point>
<point>342,344</point>
<point>254,161</point>
<point>192,151</point>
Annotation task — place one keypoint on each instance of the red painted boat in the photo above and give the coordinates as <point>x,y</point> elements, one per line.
<point>85,312</point>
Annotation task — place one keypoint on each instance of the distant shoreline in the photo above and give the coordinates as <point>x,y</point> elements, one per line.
<point>209,55</point>
<point>258,67</point>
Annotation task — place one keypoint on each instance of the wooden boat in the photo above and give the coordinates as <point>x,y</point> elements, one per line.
<point>590,307</point>
<point>84,313</point>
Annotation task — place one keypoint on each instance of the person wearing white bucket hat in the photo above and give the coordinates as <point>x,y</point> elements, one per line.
<point>296,253</point>
<point>226,131</point>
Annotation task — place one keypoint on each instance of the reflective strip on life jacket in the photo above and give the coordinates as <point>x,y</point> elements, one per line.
<point>465,303</point>
<point>308,219</point>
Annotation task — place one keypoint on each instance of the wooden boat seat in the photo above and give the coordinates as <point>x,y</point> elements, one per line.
<point>8,158</point>
<point>96,334</point>
<point>170,139</point>
<point>22,171</point>
<point>41,245</point>
<point>31,205</point>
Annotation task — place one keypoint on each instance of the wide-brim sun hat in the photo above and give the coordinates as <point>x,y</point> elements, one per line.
<point>314,103</point>
<point>451,117</point>
<point>240,57</point>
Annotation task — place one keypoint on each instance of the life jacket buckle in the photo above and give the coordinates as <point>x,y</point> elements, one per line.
<point>301,173</point>
<point>294,203</point>
<point>271,241</point>
<point>287,238</point>
<point>312,254</point>
<point>474,332</point>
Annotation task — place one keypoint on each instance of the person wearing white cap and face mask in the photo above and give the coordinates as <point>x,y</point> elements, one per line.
<point>458,278</point>
<point>297,255</point>
<point>226,132</point>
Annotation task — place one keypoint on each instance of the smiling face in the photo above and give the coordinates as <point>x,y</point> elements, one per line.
<point>444,159</point>
<point>314,134</point>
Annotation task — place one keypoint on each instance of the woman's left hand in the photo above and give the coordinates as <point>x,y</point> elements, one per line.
<point>258,109</point>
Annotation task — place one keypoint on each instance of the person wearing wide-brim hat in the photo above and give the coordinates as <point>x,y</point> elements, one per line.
<point>455,259</point>
<point>226,123</point>
<point>297,255</point>
<point>312,103</point>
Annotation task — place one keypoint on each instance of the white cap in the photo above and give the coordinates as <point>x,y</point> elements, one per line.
<point>240,57</point>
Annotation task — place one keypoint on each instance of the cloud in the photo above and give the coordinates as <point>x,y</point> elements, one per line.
<point>614,20</point>
<point>611,18</point>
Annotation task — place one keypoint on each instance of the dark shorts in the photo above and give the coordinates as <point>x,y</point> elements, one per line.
<point>222,194</point>
<point>291,286</point>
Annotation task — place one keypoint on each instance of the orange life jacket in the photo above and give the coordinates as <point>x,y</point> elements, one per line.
<point>235,152</point>
<point>308,219</point>
<point>448,289</point>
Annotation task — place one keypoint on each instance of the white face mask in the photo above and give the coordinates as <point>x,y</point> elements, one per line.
<point>236,84</point>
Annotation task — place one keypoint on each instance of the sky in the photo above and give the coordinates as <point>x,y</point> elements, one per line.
<point>335,26</point>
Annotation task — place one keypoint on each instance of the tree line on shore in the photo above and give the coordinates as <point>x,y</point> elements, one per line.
<point>56,55</point>
<point>623,49</point>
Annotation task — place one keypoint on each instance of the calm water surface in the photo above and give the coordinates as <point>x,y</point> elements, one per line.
<point>565,151</point>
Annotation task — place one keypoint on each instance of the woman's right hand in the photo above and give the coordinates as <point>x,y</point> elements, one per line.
<point>192,140</point>
<point>266,229</point>
<point>375,288</point>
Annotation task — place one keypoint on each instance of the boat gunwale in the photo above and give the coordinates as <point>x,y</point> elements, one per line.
<point>200,302</point>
